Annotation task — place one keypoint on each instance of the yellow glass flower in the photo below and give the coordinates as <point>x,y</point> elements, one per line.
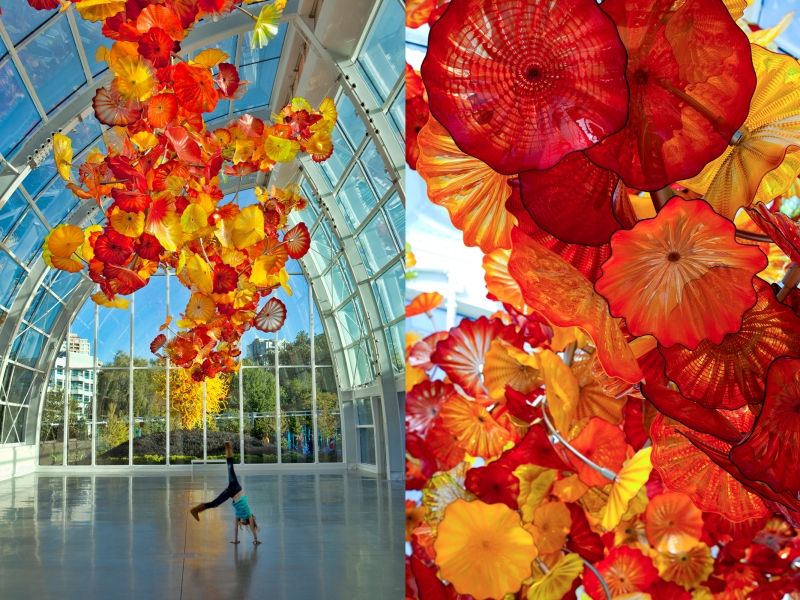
<point>558,580</point>
<point>194,217</point>
<point>130,224</point>
<point>508,366</point>
<point>280,149</point>
<point>483,550</point>
<point>248,227</point>
<point>552,520</point>
<point>688,569</point>
<point>134,79</point>
<point>62,154</point>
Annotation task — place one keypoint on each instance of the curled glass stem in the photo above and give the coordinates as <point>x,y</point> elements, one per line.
<point>607,473</point>
<point>754,237</point>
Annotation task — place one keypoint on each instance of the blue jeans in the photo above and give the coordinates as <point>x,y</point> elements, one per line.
<point>230,491</point>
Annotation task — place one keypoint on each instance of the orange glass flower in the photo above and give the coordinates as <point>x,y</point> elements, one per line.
<point>625,570</point>
<point>477,432</point>
<point>552,521</point>
<point>483,550</point>
<point>603,444</point>
<point>681,276</point>
<point>673,523</point>
<point>520,85</point>
<point>424,304</point>
<point>471,191</point>
<point>688,568</point>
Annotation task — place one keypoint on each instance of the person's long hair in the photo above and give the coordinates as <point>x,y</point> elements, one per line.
<point>246,524</point>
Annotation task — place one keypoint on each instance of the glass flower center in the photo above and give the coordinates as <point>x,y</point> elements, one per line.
<point>533,73</point>
<point>673,257</point>
<point>640,77</point>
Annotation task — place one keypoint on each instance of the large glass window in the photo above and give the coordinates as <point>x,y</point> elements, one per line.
<point>382,58</point>
<point>18,114</point>
<point>365,431</point>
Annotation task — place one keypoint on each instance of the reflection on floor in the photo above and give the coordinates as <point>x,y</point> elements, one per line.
<point>326,536</point>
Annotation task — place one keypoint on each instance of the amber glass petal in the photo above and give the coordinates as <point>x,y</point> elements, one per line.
<point>691,81</point>
<point>509,366</point>
<point>557,290</point>
<point>681,276</point>
<point>593,401</point>
<point>721,459</point>
<point>732,373</point>
<point>603,444</point>
<point>477,432</point>
<point>576,201</point>
<point>763,163</point>
<point>463,354</point>
<point>690,413</point>
<point>499,282</point>
<point>686,469</point>
<point>771,452</point>
<point>520,84</point>
<point>780,228</point>
<point>581,539</point>
<point>473,194</point>
<point>586,259</point>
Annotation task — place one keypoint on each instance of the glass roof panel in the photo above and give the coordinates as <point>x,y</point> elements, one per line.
<point>62,283</point>
<point>397,116</point>
<point>390,292</point>
<point>43,310</point>
<point>12,276</point>
<point>27,346</point>
<point>351,321</point>
<point>26,240</point>
<point>375,168</point>
<point>259,91</point>
<point>57,202</point>
<point>38,178</point>
<point>222,110</point>
<point>338,282</point>
<point>355,198</point>
<point>52,63</point>
<point>375,243</point>
<point>11,212</point>
<point>271,50</point>
<point>20,19</point>
<point>85,133</point>
<point>350,122</point>
<point>395,335</point>
<point>3,49</point>
<point>333,168</point>
<point>91,39</point>
<point>227,45</point>
<point>397,216</point>
<point>18,115</point>
<point>382,57</point>
<point>324,245</point>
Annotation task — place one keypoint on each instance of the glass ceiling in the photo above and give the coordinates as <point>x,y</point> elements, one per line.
<point>47,59</point>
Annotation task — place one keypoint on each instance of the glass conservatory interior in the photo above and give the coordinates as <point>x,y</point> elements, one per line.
<point>78,383</point>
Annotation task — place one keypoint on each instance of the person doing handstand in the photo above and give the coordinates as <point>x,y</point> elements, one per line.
<point>243,516</point>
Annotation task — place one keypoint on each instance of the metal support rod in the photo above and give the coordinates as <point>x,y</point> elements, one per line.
<point>278,439</point>
<point>600,578</point>
<point>131,422</point>
<point>607,473</point>
<point>754,237</point>
<point>205,428</point>
<point>661,197</point>
<point>166,367</point>
<point>313,373</point>
<point>94,386</point>
<point>67,384</point>
<point>790,281</point>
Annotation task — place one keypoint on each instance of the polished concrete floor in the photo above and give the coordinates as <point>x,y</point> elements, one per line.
<point>327,535</point>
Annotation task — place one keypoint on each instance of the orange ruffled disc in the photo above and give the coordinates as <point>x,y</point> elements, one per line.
<point>557,290</point>
<point>472,192</point>
<point>519,85</point>
<point>681,276</point>
<point>685,468</point>
<point>477,432</point>
<point>733,373</point>
<point>673,523</point>
<point>603,444</point>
